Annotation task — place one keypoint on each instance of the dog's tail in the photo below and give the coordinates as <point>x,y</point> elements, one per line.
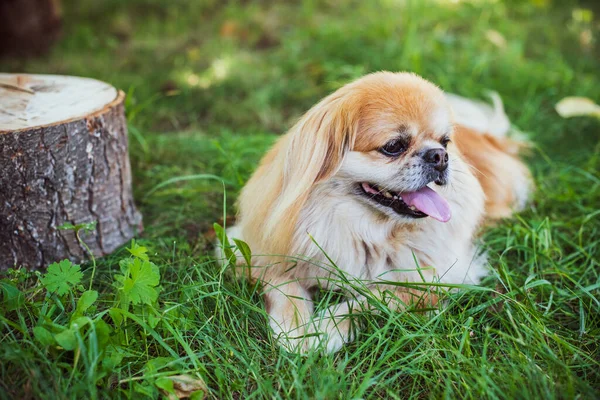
<point>482,137</point>
<point>480,116</point>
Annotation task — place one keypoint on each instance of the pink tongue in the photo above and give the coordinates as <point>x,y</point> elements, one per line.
<point>429,202</point>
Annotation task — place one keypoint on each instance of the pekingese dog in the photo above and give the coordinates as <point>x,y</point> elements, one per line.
<point>379,183</point>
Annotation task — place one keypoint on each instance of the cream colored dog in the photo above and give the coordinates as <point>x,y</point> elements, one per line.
<point>380,184</point>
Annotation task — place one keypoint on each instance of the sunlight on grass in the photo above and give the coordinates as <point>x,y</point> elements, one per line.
<point>218,71</point>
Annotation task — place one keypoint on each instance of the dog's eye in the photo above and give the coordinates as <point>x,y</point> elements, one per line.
<point>394,147</point>
<point>445,140</point>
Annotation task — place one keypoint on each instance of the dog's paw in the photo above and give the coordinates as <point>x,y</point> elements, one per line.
<point>329,334</point>
<point>294,344</point>
<point>325,334</point>
<point>329,342</point>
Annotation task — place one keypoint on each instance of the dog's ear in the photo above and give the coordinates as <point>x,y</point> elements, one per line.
<point>311,152</point>
<point>315,151</point>
<point>317,145</point>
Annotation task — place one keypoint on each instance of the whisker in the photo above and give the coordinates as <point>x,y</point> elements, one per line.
<point>475,168</point>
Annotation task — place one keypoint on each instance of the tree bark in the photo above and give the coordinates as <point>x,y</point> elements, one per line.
<point>53,172</point>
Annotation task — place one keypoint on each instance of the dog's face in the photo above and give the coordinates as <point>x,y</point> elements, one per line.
<point>382,141</point>
<point>401,149</point>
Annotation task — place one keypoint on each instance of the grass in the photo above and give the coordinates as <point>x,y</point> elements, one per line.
<point>210,87</point>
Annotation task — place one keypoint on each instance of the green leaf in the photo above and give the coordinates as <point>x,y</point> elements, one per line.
<point>66,339</point>
<point>165,384</point>
<point>197,395</point>
<point>86,226</point>
<point>146,390</point>
<point>103,331</point>
<point>153,321</point>
<point>61,277</point>
<point>12,298</point>
<point>138,251</point>
<point>43,336</point>
<point>112,358</point>
<point>124,266</point>
<point>80,322</point>
<point>245,250</point>
<point>156,364</point>
<point>85,301</point>
<point>67,226</point>
<point>140,282</point>
<point>222,236</point>
<point>116,316</point>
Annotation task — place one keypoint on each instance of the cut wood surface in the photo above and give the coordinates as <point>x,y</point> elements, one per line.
<point>63,160</point>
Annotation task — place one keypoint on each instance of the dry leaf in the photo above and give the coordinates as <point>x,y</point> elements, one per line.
<point>586,39</point>
<point>229,29</point>
<point>184,386</point>
<point>496,38</point>
<point>577,107</point>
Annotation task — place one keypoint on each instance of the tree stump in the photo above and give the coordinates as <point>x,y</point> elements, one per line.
<point>63,160</point>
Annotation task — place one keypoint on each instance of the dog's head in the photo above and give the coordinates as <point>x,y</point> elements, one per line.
<point>384,139</point>
<point>400,151</point>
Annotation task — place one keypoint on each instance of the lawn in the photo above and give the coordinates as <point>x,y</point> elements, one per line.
<point>210,86</point>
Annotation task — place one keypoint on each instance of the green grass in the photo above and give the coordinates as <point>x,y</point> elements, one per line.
<point>210,87</point>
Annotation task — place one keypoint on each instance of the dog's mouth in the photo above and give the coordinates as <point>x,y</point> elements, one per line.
<point>421,203</point>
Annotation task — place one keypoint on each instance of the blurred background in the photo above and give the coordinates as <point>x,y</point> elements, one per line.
<point>210,83</point>
<point>250,65</point>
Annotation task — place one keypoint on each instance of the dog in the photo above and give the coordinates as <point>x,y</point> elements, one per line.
<point>379,183</point>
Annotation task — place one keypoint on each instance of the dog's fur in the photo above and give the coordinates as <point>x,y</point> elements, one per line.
<point>304,218</point>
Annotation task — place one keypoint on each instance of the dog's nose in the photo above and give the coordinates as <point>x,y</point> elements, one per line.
<point>437,158</point>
